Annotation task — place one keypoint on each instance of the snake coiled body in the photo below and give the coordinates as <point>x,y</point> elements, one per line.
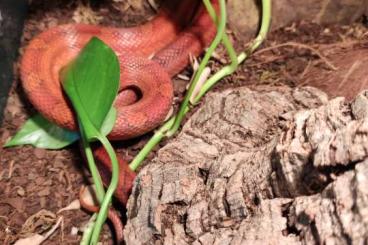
<point>148,55</point>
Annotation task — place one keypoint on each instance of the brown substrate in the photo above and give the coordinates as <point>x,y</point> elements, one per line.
<point>35,179</point>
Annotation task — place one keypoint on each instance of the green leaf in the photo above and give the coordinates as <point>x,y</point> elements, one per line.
<point>39,132</point>
<point>109,121</point>
<point>91,82</point>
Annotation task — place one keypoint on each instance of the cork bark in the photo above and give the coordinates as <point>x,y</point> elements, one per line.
<point>284,166</point>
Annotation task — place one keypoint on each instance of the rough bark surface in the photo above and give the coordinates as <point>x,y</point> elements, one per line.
<point>259,167</point>
<point>321,161</point>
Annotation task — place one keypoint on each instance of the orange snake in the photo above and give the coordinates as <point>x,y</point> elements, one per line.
<point>175,33</point>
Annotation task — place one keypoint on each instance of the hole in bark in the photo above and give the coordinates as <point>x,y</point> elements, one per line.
<point>303,219</point>
<point>289,213</point>
<point>315,233</point>
<point>203,174</point>
<point>310,180</point>
<point>173,213</point>
<point>226,206</point>
<point>313,180</point>
<point>256,200</point>
<point>319,178</point>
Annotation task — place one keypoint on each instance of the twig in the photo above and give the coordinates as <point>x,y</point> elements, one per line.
<point>306,69</point>
<point>352,68</point>
<point>11,169</point>
<point>299,45</point>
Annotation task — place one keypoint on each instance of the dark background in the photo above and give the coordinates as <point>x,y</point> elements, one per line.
<point>12,15</point>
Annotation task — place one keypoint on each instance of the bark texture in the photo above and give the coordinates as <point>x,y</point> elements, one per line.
<point>259,167</point>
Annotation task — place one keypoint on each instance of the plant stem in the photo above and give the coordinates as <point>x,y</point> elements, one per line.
<point>215,43</point>
<point>87,233</point>
<point>102,214</point>
<point>100,191</point>
<point>227,70</point>
<point>225,39</point>
<point>156,138</point>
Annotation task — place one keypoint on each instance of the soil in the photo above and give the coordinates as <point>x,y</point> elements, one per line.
<point>32,180</point>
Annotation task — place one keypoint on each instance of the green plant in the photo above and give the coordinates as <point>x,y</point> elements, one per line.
<point>95,74</point>
<point>39,132</point>
<point>172,125</point>
<point>91,82</point>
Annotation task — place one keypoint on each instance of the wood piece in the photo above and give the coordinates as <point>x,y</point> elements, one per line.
<point>338,215</point>
<point>212,185</point>
<point>320,143</point>
<point>272,166</point>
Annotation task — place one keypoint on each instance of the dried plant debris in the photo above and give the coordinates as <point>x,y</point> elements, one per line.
<point>243,202</point>
<point>37,239</point>
<point>38,223</point>
<point>84,14</point>
<point>138,6</point>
